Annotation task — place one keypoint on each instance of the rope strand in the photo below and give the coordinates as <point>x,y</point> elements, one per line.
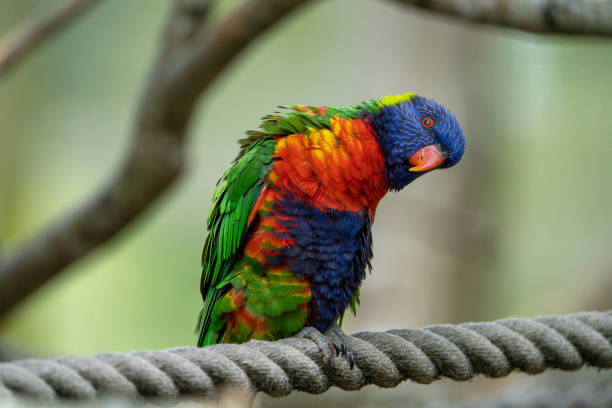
<point>385,359</point>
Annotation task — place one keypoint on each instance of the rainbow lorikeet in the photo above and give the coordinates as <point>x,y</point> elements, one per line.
<point>290,228</point>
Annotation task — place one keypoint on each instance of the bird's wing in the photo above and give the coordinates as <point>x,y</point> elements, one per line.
<point>229,220</point>
<point>235,199</point>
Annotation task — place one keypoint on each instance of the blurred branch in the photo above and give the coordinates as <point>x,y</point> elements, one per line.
<point>15,45</point>
<point>192,55</point>
<point>591,17</point>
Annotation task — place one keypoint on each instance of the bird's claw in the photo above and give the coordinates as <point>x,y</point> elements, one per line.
<point>334,339</point>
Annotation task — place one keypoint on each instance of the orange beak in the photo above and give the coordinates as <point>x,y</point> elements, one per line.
<point>427,158</point>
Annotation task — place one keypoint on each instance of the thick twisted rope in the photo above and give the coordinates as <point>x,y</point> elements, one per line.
<point>385,359</point>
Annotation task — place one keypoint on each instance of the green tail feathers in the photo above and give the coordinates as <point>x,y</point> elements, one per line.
<point>207,335</point>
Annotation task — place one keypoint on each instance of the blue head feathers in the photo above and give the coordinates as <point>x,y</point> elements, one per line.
<point>406,128</point>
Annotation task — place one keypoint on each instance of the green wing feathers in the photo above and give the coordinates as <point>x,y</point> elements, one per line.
<point>233,201</point>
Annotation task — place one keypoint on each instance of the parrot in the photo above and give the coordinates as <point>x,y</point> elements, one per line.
<point>290,228</point>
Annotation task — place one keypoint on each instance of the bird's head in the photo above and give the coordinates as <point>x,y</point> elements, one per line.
<point>416,135</point>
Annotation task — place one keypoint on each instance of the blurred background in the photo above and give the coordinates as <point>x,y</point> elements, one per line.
<point>520,227</point>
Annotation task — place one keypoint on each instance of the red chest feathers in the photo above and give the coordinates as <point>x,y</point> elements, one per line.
<point>342,168</point>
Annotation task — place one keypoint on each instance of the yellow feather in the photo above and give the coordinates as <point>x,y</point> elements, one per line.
<point>395,99</point>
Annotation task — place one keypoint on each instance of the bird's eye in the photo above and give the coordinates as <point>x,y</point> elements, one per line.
<point>427,122</point>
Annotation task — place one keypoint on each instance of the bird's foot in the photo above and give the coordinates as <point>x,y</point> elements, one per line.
<point>334,340</point>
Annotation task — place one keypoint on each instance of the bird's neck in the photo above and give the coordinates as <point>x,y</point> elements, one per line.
<point>341,168</point>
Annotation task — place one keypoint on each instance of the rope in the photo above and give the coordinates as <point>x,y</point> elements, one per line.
<point>385,359</point>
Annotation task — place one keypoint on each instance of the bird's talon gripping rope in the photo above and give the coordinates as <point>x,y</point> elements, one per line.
<point>338,337</point>
<point>324,343</point>
<point>338,347</point>
<point>332,340</point>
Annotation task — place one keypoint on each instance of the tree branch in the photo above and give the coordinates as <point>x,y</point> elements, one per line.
<point>18,43</point>
<point>191,57</point>
<point>592,17</point>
